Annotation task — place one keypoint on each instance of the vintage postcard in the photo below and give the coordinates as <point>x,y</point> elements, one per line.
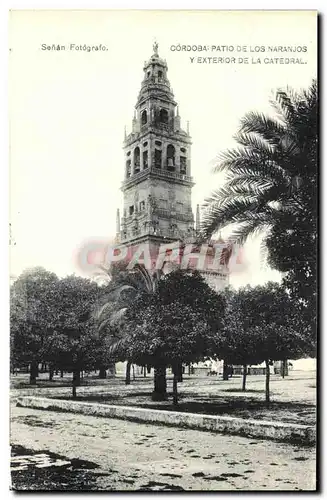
<point>163,244</point>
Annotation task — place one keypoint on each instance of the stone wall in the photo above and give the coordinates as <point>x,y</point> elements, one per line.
<point>261,429</point>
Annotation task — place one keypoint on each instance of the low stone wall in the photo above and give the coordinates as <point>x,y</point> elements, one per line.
<point>262,429</point>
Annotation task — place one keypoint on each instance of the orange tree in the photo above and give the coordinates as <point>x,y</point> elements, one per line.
<point>76,346</point>
<point>179,323</point>
<point>262,324</point>
<point>33,306</point>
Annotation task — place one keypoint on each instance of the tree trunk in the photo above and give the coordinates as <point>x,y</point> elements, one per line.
<point>51,373</point>
<point>61,373</point>
<point>189,369</point>
<point>175,381</point>
<point>128,373</point>
<point>179,369</point>
<point>225,371</point>
<point>245,368</point>
<point>102,372</point>
<point>148,369</point>
<point>133,370</point>
<point>111,372</point>
<point>144,371</point>
<point>34,372</point>
<point>160,384</point>
<point>267,381</point>
<point>76,381</point>
<point>284,368</point>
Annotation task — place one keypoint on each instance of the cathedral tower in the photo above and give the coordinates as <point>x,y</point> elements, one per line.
<point>157,182</point>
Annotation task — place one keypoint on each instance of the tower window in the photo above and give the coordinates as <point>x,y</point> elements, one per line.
<point>148,74</point>
<point>159,74</point>
<point>163,116</point>
<point>145,144</point>
<point>144,117</point>
<point>183,164</point>
<point>145,159</point>
<point>128,168</point>
<point>157,158</point>
<point>131,210</point>
<point>136,160</point>
<point>183,150</point>
<point>157,143</point>
<point>142,205</point>
<point>170,158</point>
<point>128,154</point>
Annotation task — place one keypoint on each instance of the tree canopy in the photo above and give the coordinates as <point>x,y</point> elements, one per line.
<point>262,324</point>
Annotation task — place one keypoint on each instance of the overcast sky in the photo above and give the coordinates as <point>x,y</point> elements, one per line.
<point>68,110</point>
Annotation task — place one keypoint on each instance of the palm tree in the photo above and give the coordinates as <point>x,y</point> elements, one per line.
<point>271,183</point>
<point>123,287</point>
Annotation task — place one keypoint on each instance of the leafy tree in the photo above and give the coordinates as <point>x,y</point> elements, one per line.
<point>236,348</point>
<point>177,324</point>
<point>77,345</point>
<point>271,186</point>
<point>168,335</point>
<point>34,300</point>
<point>191,289</point>
<point>123,288</point>
<point>261,324</point>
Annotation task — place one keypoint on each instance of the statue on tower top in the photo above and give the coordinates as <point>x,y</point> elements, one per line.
<point>155,48</point>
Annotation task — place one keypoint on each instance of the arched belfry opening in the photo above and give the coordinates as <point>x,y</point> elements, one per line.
<point>136,160</point>
<point>128,168</point>
<point>163,116</point>
<point>170,158</point>
<point>144,117</point>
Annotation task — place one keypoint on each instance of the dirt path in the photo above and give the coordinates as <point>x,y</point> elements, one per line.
<point>140,456</point>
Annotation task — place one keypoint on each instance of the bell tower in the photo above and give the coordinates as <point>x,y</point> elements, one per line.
<point>157,179</point>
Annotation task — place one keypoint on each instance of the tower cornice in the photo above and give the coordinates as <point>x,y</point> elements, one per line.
<point>155,173</point>
<point>152,131</point>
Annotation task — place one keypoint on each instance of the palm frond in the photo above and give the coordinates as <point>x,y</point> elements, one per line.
<point>242,231</point>
<point>224,195</point>
<point>271,173</point>
<point>116,347</point>
<point>242,161</point>
<point>256,144</point>
<point>256,181</point>
<point>216,216</point>
<point>284,104</point>
<point>258,123</point>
